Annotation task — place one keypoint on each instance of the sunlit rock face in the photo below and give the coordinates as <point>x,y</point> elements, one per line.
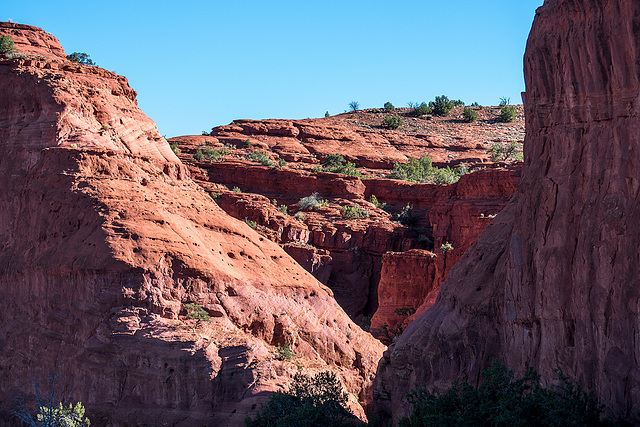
<point>104,240</point>
<point>553,280</point>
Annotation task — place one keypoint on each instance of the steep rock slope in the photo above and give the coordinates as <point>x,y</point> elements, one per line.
<point>553,280</point>
<point>105,239</point>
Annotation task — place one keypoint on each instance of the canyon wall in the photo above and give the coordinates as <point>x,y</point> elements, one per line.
<point>553,280</point>
<point>104,241</point>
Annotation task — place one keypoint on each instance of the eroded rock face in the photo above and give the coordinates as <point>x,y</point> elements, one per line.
<point>552,281</point>
<point>104,240</point>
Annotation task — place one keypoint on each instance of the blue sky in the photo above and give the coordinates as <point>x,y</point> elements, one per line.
<point>199,64</point>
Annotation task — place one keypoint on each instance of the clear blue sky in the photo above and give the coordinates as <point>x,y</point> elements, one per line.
<point>199,64</point>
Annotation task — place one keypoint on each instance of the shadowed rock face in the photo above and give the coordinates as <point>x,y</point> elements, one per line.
<point>104,238</point>
<point>553,280</point>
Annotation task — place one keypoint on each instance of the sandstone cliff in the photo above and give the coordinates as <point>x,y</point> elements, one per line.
<point>553,280</point>
<point>105,239</point>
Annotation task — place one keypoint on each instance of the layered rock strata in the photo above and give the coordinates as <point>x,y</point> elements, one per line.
<point>105,240</point>
<point>552,281</point>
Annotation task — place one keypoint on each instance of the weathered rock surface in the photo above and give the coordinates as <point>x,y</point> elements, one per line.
<point>347,254</point>
<point>553,280</point>
<point>104,238</point>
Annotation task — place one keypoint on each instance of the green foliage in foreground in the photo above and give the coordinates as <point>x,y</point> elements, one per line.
<point>310,401</point>
<point>6,44</point>
<point>501,400</point>
<point>421,170</point>
<point>470,115</point>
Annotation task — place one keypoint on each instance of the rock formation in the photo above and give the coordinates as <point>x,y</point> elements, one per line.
<point>105,239</point>
<point>553,280</point>
<point>348,255</point>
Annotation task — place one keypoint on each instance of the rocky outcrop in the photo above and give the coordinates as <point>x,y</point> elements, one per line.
<point>552,281</point>
<point>105,239</point>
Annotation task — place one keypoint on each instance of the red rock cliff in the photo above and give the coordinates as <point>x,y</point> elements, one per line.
<point>105,239</point>
<point>553,280</point>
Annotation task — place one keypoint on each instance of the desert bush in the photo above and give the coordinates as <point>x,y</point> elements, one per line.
<point>284,352</point>
<point>446,247</point>
<point>507,113</point>
<point>389,107</point>
<point>174,148</point>
<point>458,103</point>
<point>421,170</point>
<point>392,122</point>
<point>380,205</point>
<point>504,101</point>
<point>327,114</point>
<point>470,115</point>
<point>336,163</point>
<point>260,157</point>
<point>422,109</point>
<point>248,143</point>
<point>442,106</point>
<point>404,311</point>
<point>281,163</point>
<point>310,202</point>
<point>80,58</point>
<point>214,155</point>
<point>252,224</point>
<point>310,401</point>
<point>505,151</point>
<point>300,216</point>
<point>406,216</point>
<point>6,44</point>
<point>501,400</point>
<point>236,189</point>
<point>353,212</point>
<point>283,209</point>
<point>354,106</point>
<point>196,311</point>
<point>198,155</point>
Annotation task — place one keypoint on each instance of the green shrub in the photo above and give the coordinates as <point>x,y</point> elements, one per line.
<point>336,163</point>
<point>422,110</point>
<point>354,106</point>
<point>504,101</point>
<point>404,311</point>
<point>310,401</point>
<point>252,224</point>
<point>442,106</point>
<point>80,58</point>
<point>470,115</point>
<point>500,400</point>
<point>380,205</point>
<point>458,103</point>
<point>285,353</point>
<point>197,312</point>
<point>214,155</point>
<point>248,143</point>
<point>300,216</point>
<point>421,170</point>
<point>281,163</point>
<point>326,114</point>
<point>198,155</point>
<point>236,189</point>
<point>283,209</point>
<point>353,212</point>
<point>6,44</point>
<point>311,202</point>
<point>446,247</point>
<point>389,107</point>
<point>260,157</point>
<point>507,113</point>
<point>392,122</point>
<point>174,148</point>
<point>505,151</point>
<point>406,216</point>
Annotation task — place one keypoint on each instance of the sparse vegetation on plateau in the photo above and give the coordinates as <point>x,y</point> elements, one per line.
<point>6,44</point>
<point>336,163</point>
<point>501,400</point>
<point>421,110</point>
<point>389,107</point>
<point>354,106</point>
<point>310,401</point>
